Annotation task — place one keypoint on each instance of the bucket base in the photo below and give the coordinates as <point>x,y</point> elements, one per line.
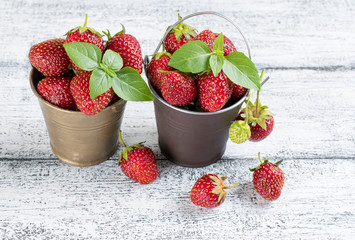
<point>84,163</point>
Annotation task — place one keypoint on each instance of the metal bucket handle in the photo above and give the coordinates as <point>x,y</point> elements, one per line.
<point>146,58</point>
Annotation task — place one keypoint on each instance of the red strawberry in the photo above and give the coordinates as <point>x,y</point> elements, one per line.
<point>158,63</point>
<point>214,92</point>
<point>56,90</point>
<point>79,88</point>
<point>209,191</point>
<point>178,36</point>
<point>50,58</point>
<point>128,47</point>
<point>238,92</point>
<point>268,179</point>
<point>208,37</point>
<point>138,163</point>
<point>178,89</point>
<point>84,34</point>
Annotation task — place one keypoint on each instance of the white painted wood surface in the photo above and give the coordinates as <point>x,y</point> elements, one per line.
<point>306,47</point>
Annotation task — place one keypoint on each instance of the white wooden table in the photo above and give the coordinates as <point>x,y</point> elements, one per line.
<point>306,47</point>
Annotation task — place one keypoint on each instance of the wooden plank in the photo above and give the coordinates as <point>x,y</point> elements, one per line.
<point>48,199</point>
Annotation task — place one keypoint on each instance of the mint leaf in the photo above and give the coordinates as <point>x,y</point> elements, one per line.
<point>129,85</point>
<point>241,70</point>
<point>86,56</point>
<point>112,60</point>
<point>218,43</point>
<point>216,63</point>
<point>99,83</point>
<point>191,57</point>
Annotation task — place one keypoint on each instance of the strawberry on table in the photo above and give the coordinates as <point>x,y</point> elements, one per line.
<point>84,34</point>
<point>178,36</point>
<point>56,90</point>
<point>138,163</point>
<point>158,63</point>
<point>214,92</point>
<point>128,47</point>
<point>79,88</point>
<point>209,191</point>
<point>268,179</point>
<point>178,89</point>
<point>49,57</point>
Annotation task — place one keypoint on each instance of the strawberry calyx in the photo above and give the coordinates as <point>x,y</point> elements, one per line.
<point>109,36</point>
<point>220,187</point>
<point>128,149</point>
<point>84,28</point>
<point>265,161</point>
<point>160,54</point>
<point>183,29</point>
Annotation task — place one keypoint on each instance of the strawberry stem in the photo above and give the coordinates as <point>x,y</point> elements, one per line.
<point>246,107</point>
<point>257,96</point>
<point>232,186</point>
<point>261,161</point>
<point>86,20</point>
<point>121,139</point>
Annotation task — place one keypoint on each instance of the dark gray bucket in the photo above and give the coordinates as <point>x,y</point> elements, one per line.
<point>188,138</point>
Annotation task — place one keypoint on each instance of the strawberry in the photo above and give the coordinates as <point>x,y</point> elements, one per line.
<point>239,131</point>
<point>178,36</point>
<point>138,163</point>
<point>158,63</point>
<point>128,47</point>
<point>208,37</point>
<point>261,125</point>
<point>79,88</point>
<point>214,92</point>
<point>178,89</point>
<point>50,58</point>
<point>56,90</point>
<point>268,179</point>
<point>209,191</point>
<point>238,92</point>
<point>84,34</point>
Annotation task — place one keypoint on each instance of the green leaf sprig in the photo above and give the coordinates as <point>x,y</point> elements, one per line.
<point>196,57</point>
<point>126,82</point>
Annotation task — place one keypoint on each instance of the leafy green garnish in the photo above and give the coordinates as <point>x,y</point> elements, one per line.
<point>126,82</point>
<point>196,57</point>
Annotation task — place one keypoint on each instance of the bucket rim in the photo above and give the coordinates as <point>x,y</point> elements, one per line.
<point>40,98</point>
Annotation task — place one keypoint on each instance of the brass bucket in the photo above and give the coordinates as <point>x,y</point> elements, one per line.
<point>188,138</point>
<point>78,139</point>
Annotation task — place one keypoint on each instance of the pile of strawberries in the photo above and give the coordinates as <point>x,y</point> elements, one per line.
<point>65,84</point>
<point>198,92</point>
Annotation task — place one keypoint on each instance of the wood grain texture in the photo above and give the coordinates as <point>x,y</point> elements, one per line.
<point>43,201</point>
<point>306,47</point>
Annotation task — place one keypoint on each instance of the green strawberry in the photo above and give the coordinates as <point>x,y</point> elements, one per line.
<point>50,58</point>
<point>239,131</point>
